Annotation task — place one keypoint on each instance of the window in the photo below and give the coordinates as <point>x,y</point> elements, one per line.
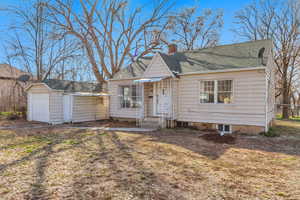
<point>224,128</point>
<point>225,91</point>
<point>207,94</point>
<point>216,91</point>
<point>129,97</point>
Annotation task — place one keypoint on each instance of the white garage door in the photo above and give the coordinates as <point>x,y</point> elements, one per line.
<point>40,107</point>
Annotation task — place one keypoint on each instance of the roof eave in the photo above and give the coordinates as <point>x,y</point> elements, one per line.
<point>223,71</point>
<point>44,84</point>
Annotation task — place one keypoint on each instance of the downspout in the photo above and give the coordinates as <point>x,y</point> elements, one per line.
<point>266,101</point>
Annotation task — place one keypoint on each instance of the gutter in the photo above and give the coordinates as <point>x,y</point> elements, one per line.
<point>222,71</point>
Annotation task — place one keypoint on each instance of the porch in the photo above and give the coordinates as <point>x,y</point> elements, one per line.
<point>157,103</point>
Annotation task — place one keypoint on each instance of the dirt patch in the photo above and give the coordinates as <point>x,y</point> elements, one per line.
<point>217,138</point>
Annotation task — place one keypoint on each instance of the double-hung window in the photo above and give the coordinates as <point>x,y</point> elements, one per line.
<point>225,91</point>
<point>207,94</point>
<point>216,91</point>
<point>129,96</point>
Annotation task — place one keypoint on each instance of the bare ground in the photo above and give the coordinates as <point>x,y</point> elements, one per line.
<point>57,163</point>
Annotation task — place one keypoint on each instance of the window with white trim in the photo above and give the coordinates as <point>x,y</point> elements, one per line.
<point>225,91</point>
<point>216,91</point>
<point>129,96</point>
<point>207,94</point>
<point>224,128</point>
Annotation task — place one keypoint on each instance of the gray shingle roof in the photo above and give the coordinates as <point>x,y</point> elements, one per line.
<point>234,56</point>
<point>135,69</point>
<point>73,86</point>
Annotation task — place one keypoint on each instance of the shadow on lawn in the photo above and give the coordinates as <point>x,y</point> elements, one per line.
<point>213,150</point>
<point>127,176</point>
<point>41,156</point>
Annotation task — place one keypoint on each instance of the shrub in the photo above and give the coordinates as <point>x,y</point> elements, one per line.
<point>271,133</point>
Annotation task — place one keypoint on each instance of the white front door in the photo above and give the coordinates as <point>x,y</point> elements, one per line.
<point>40,107</point>
<point>67,108</point>
<point>162,101</point>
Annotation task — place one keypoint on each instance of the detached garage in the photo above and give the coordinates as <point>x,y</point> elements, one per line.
<point>57,102</point>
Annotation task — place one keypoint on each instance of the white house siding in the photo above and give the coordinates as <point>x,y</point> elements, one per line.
<point>115,107</point>
<point>89,109</point>
<point>248,107</point>
<point>56,107</point>
<point>157,68</point>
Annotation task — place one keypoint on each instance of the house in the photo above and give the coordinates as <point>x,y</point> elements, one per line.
<point>228,87</point>
<point>12,96</point>
<point>57,101</point>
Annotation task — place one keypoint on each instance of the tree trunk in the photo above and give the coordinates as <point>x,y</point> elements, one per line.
<point>285,99</point>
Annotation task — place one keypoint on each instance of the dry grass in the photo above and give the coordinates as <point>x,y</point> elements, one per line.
<point>170,164</point>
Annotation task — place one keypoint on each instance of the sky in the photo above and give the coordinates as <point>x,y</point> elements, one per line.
<point>229,7</point>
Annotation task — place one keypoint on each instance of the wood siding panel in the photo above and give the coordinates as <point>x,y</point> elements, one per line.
<point>248,107</point>
<point>89,109</point>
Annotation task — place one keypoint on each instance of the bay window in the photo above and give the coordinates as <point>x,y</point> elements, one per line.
<point>216,91</point>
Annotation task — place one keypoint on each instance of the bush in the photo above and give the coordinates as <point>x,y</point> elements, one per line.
<point>271,133</point>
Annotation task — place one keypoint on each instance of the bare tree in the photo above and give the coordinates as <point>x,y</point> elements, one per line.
<point>34,43</point>
<point>112,32</point>
<point>192,28</point>
<point>279,21</point>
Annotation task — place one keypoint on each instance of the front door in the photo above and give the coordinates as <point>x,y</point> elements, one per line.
<point>40,107</point>
<point>162,101</point>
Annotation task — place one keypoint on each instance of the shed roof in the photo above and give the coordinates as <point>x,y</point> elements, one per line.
<point>224,57</point>
<point>73,86</point>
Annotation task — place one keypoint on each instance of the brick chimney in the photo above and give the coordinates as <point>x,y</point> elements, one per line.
<point>172,48</point>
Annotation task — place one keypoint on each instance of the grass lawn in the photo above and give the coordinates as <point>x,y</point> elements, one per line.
<point>169,164</point>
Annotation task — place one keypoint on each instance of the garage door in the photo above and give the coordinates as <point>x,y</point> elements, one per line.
<point>40,107</point>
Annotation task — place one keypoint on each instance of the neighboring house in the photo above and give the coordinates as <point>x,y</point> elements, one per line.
<point>12,96</point>
<point>57,101</point>
<point>228,87</point>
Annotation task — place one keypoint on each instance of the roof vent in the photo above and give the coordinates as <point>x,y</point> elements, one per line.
<point>261,55</point>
